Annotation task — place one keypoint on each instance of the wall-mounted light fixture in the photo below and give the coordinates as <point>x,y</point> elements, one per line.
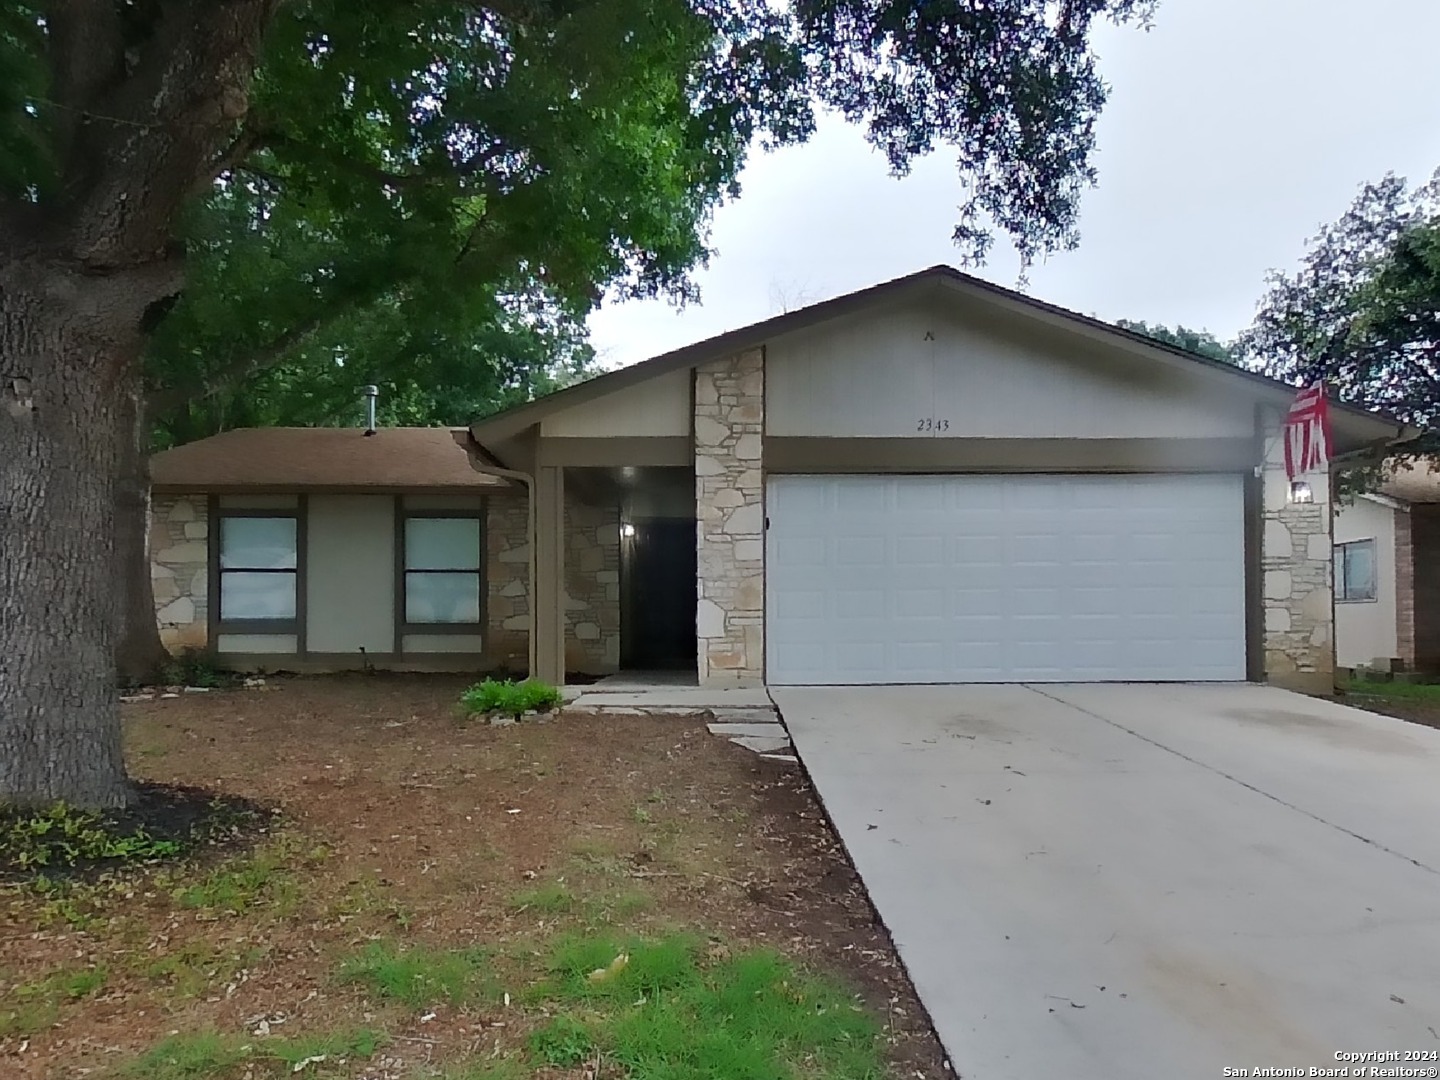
<point>1301,492</point>
<point>627,530</point>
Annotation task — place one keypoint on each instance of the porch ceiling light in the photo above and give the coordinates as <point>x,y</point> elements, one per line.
<point>627,530</point>
<point>1301,492</point>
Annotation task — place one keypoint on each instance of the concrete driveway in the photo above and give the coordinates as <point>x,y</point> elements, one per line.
<point>1142,881</point>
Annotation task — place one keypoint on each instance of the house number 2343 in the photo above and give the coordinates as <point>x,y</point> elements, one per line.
<point>932,423</point>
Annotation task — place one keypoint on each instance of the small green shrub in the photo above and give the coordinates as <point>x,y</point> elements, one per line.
<point>194,667</point>
<point>510,698</point>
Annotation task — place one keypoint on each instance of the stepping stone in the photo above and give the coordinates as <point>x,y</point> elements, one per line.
<point>762,744</point>
<point>745,716</point>
<point>771,730</point>
<point>784,759</point>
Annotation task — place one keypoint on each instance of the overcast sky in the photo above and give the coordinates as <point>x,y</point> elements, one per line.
<point>1234,129</point>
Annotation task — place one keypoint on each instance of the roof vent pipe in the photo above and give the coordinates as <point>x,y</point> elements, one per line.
<point>371,393</point>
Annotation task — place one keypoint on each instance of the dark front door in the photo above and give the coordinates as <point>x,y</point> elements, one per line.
<point>658,606</point>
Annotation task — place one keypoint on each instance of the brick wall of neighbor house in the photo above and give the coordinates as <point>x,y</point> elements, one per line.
<point>178,569</point>
<point>1296,558</point>
<point>730,519</point>
<point>592,586</point>
<point>1424,593</point>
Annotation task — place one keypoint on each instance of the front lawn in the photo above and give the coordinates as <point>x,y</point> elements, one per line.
<point>579,898</point>
<point>1416,702</point>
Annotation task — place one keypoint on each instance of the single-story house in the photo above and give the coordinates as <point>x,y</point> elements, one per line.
<point>1387,574</point>
<point>932,480</point>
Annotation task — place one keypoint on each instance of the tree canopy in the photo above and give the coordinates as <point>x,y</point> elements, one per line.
<point>222,192</point>
<point>1196,341</point>
<point>1363,310</point>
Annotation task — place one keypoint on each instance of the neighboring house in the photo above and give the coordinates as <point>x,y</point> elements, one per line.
<point>932,480</point>
<point>1387,575</point>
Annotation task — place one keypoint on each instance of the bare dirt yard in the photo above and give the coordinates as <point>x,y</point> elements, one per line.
<point>436,898</point>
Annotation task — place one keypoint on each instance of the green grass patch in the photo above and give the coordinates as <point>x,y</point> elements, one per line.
<point>207,1055</point>
<point>552,898</point>
<point>31,1007</point>
<point>510,698</point>
<point>657,1009</point>
<point>1395,691</point>
<point>263,879</point>
<point>418,977</point>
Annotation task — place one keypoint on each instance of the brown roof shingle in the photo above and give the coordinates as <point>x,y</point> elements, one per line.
<point>280,459</point>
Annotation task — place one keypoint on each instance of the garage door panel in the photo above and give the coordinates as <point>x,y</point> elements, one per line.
<point>1004,578</point>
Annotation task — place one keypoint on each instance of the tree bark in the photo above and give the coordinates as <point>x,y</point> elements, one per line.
<point>60,435</point>
<point>140,654</point>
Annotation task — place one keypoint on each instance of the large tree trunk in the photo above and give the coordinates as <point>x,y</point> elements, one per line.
<point>140,654</point>
<point>60,434</point>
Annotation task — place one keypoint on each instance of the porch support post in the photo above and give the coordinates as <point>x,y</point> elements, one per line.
<point>550,574</point>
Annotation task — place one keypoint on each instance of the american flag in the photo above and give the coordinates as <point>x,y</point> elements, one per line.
<point>1307,432</point>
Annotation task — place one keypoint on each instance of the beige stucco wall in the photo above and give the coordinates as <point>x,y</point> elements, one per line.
<point>655,407</point>
<point>957,369</point>
<point>350,572</point>
<point>1365,630</point>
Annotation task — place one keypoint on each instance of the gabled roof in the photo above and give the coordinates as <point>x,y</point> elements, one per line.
<point>336,459</point>
<point>1354,425</point>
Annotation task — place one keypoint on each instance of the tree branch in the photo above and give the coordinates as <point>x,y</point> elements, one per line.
<point>87,52</point>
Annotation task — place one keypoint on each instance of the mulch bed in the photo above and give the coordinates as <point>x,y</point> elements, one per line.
<point>406,823</point>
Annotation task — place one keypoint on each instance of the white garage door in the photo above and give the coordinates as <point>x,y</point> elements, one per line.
<point>912,579</point>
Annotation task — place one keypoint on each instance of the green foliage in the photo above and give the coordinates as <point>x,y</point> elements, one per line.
<point>510,698</point>
<point>207,1055</point>
<point>61,837</point>
<point>194,667</point>
<point>418,976</point>
<point>1363,313</point>
<point>1201,342</point>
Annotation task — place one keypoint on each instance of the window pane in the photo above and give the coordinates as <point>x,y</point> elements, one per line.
<point>1360,571</point>
<point>257,543</point>
<point>442,598</point>
<point>442,544</point>
<point>257,596</point>
<point>1341,589</point>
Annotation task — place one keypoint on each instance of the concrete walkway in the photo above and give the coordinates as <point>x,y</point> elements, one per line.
<point>1141,881</point>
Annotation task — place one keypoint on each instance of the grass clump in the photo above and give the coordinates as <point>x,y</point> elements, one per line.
<point>262,879</point>
<point>552,898</point>
<point>509,698</point>
<point>418,977</point>
<point>658,1008</point>
<point>206,1055</point>
<point>31,1007</point>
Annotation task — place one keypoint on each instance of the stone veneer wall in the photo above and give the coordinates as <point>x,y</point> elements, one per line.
<point>179,566</point>
<point>730,519</point>
<point>1297,562</point>
<point>592,585</point>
